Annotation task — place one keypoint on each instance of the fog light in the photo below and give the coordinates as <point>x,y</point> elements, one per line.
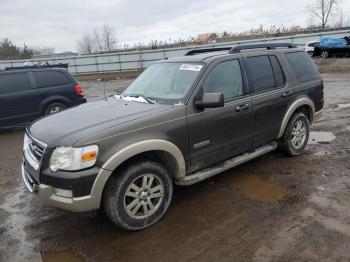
<point>63,193</point>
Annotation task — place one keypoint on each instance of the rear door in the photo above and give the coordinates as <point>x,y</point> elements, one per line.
<point>271,92</point>
<point>54,85</point>
<point>19,99</point>
<point>220,133</point>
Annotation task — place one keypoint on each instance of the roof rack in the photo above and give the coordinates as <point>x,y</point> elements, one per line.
<point>207,50</point>
<point>239,48</point>
<point>37,67</point>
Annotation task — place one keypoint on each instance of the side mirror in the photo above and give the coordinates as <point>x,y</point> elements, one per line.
<point>210,100</point>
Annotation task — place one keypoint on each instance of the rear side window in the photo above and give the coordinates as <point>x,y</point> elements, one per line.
<point>225,77</point>
<point>10,83</point>
<point>49,78</point>
<point>260,73</point>
<point>303,67</point>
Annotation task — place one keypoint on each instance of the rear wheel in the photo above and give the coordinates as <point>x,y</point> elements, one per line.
<point>296,135</point>
<point>325,54</point>
<point>54,108</point>
<point>139,195</point>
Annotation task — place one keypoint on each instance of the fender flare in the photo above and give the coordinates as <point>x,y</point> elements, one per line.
<point>132,150</point>
<point>304,101</point>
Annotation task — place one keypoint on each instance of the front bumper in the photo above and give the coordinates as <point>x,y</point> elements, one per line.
<point>49,197</point>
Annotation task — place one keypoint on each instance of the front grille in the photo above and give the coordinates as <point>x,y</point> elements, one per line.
<point>34,149</point>
<point>29,180</point>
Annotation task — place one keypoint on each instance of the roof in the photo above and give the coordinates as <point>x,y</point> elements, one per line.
<point>197,58</point>
<point>209,56</point>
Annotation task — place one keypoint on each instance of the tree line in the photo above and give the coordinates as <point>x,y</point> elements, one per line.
<point>103,39</point>
<point>9,50</point>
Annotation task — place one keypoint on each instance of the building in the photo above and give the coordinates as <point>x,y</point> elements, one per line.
<point>207,38</point>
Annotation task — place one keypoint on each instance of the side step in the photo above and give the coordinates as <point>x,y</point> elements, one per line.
<point>226,165</point>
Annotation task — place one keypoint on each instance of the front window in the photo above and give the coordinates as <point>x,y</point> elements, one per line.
<point>164,83</point>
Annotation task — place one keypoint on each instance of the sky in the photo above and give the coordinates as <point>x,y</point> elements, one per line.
<point>60,23</point>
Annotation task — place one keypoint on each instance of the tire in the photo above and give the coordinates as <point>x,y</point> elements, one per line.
<point>126,189</point>
<point>296,135</point>
<point>54,108</point>
<point>325,54</point>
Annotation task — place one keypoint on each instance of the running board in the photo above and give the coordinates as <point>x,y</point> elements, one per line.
<point>226,165</point>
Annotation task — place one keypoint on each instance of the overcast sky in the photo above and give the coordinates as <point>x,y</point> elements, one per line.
<point>60,23</point>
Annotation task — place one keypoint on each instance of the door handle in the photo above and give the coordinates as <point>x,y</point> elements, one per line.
<point>241,107</point>
<point>287,93</point>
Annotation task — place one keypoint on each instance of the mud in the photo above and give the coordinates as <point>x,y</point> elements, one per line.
<point>253,186</point>
<point>273,208</point>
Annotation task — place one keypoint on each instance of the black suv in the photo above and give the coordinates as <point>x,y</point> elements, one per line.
<point>27,94</point>
<point>182,120</point>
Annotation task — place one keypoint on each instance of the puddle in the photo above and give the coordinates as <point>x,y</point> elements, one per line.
<point>320,138</point>
<point>342,106</point>
<point>253,187</point>
<point>64,256</point>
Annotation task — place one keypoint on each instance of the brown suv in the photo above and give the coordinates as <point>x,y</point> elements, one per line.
<point>181,121</point>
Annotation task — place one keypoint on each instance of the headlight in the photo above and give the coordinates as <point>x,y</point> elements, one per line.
<point>73,158</point>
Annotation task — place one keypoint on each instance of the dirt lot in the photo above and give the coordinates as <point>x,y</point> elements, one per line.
<point>273,208</point>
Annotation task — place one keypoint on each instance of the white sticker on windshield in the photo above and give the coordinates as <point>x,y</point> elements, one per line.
<point>191,67</point>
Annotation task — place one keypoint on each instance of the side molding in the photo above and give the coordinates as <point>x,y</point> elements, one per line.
<point>296,104</point>
<point>118,158</point>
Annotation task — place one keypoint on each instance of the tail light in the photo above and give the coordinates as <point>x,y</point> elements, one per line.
<point>79,90</point>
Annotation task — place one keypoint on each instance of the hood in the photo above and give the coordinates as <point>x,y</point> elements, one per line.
<point>68,126</point>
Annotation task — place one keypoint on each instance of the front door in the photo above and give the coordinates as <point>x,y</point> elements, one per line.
<point>220,133</point>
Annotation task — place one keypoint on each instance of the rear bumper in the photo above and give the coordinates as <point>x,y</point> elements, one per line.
<point>48,195</point>
<point>80,101</point>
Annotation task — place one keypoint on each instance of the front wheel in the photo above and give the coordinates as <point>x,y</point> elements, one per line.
<point>139,195</point>
<point>296,135</point>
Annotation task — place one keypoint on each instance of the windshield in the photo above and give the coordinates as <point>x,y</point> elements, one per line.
<point>164,83</point>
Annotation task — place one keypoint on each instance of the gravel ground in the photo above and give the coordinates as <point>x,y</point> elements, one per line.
<point>274,208</point>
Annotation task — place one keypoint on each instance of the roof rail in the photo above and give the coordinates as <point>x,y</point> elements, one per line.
<point>207,50</point>
<point>239,48</point>
<point>37,67</point>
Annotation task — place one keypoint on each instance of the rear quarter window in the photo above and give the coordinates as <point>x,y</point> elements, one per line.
<point>303,66</point>
<point>14,82</point>
<point>50,78</point>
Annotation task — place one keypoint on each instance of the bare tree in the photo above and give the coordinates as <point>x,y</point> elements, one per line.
<point>108,38</point>
<point>98,41</point>
<point>86,44</point>
<point>341,18</point>
<point>101,39</point>
<point>322,10</point>
<point>9,50</point>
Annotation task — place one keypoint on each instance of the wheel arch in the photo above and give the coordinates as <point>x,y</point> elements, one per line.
<point>162,151</point>
<point>53,99</point>
<point>304,105</point>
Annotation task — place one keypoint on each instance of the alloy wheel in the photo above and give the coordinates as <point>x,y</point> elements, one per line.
<point>143,196</point>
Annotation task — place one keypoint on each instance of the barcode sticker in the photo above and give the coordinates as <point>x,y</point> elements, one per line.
<point>191,67</point>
